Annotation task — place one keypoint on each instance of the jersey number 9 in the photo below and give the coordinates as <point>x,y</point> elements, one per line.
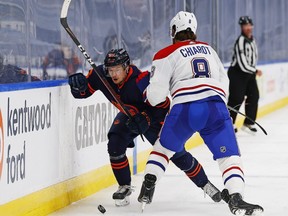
<point>200,68</point>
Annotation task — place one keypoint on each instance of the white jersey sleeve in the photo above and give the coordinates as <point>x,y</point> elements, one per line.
<point>190,71</point>
<point>160,76</point>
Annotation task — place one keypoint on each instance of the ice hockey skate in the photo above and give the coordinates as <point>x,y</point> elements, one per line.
<point>121,196</point>
<point>147,190</point>
<point>212,191</point>
<point>239,207</point>
<point>251,129</point>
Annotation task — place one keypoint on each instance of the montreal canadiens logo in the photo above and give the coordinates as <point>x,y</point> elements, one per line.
<point>1,144</point>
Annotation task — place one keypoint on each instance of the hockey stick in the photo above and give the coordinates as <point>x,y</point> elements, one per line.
<point>119,104</point>
<point>234,110</point>
<point>63,20</point>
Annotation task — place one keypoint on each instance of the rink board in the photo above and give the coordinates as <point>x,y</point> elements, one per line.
<point>53,147</point>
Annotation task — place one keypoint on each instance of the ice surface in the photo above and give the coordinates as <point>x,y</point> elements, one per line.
<point>265,160</point>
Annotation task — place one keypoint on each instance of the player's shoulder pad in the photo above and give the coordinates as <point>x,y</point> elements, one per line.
<point>163,53</point>
<point>142,76</point>
<point>138,73</point>
<point>135,69</point>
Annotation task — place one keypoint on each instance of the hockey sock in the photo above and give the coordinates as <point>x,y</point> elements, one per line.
<point>232,174</point>
<point>158,160</point>
<point>121,169</point>
<point>192,168</point>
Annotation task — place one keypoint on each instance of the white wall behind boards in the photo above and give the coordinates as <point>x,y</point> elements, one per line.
<point>48,137</point>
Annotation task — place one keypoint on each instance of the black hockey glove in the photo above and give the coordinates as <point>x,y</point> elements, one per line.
<point>139,123</point>
<point>78,82</point>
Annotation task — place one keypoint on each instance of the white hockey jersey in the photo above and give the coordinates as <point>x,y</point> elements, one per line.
<point>190,71</point>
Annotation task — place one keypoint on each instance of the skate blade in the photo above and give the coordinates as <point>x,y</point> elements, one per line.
<point>123,202</point>
<point>144,202</point>
<point>143,207</point>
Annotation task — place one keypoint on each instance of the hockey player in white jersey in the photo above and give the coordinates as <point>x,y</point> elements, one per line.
<point>193,74</point>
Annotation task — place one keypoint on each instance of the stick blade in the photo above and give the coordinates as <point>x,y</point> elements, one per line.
<point>64,10</point>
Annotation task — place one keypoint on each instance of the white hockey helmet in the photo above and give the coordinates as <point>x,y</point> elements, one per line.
<point>183,21</point>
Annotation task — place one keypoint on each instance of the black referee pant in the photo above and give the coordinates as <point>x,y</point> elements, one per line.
<point>243,84</point>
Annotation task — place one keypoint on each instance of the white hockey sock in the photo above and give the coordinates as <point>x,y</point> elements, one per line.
<point>232,174</point>
<point>158,160</point>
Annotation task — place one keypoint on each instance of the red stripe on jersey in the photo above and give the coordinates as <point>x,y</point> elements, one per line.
<point>170,49</point>
<point>233,167</point>
<point>198,86</point>
<point>141,76</point>
<point>160,154</point>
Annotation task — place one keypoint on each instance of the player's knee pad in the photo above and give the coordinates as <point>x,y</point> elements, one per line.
<point>183,160</point>
<point>232,173</point>
<point>117,158</point>
<point>116,145</point>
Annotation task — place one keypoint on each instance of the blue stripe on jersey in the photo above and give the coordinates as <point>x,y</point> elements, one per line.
<point>232,176</point>
<point>142,81</point>
<point>197,92</point>
<point>157,164</point>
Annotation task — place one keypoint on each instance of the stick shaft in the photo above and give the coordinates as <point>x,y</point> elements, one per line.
<point>63,20</point>
<point>234,110</point>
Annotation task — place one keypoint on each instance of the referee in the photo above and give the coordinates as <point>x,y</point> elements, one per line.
<point>242,75</point>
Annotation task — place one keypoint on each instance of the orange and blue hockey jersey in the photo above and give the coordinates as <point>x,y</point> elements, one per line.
<point>130,92</point>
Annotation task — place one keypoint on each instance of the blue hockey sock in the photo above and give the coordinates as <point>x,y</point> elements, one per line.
<point>121,170</point>
<point>192,168</point>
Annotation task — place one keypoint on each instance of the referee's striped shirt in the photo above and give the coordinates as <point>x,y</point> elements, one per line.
<point>245,54</point>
